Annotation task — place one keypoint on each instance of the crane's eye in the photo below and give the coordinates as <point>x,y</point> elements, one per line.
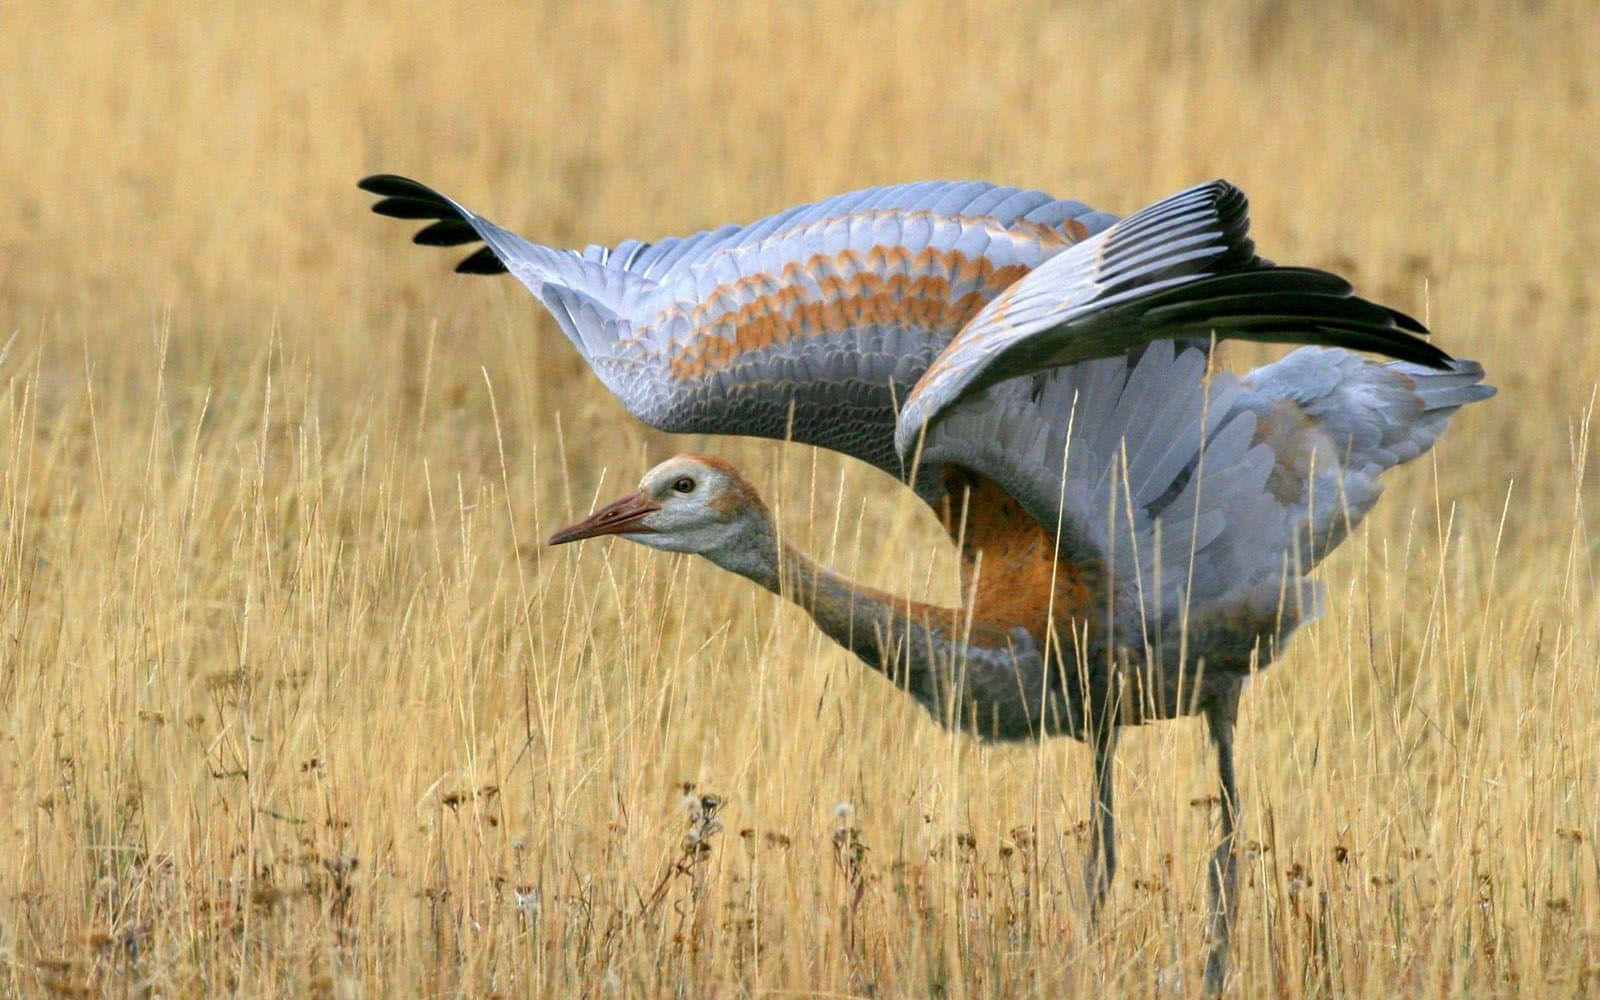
<point>683,484</point>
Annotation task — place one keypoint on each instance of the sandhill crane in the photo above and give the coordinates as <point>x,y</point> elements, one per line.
<point>1135,529</point>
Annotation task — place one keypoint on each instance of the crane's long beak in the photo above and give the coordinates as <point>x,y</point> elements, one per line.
<point>619,518</point>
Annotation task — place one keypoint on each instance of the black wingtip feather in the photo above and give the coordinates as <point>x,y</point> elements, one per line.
<point>393,185</point>
<point>1404,321</point>
<point>401,207</point>
<point>1400,346</point>
<point>404,198</point>
<point>1302,299</point>
<point>446,233</point>
<point>1233,217</point>
<point>482,262</point>
<point>1331,332</point>
<point>1215,211</point>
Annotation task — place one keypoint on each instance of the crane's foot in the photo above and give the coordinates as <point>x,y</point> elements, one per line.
<point>1100,867</point>
<point>1223,877</point>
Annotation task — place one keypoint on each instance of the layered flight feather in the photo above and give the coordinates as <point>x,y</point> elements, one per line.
<point>1184,266</point>
<point>816,323</point>
<point>1206,497</point>
<point>811,324</point>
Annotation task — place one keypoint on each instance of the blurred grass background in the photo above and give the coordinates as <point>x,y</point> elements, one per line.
<point>292,702</point>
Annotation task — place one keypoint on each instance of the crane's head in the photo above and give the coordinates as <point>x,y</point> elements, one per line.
<point>690,503</point>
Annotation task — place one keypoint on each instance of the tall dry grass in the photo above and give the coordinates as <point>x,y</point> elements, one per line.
<point>292,703</point>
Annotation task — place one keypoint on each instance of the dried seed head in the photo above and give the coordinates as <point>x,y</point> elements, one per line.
<point>1298,878</point>
<point>527,900</point>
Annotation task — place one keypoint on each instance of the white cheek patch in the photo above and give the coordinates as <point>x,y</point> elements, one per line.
<point>664,543</point>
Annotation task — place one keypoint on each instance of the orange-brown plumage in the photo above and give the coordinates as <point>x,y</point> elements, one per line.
<point>1012,571</point>
<point>1293,436</point>
<point>752,313</point>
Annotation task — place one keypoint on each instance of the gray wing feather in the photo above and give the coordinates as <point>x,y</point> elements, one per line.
<point>1102,450</point>
<point>544,271</point>
<point>1181,267</point>
<point>830,311</point>
<point>1326,424</point>
<point>1336,421</point>
<point>814,322</point>
<point>1209,499</point>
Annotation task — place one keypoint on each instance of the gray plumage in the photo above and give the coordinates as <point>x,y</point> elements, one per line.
<point>963,332</point>
<point>835,311</point>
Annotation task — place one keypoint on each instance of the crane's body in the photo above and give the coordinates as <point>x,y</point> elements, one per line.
<point>1135,528</point>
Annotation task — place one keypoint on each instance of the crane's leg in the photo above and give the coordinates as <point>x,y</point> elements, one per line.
<point>1101,864</point>
<point>1220,716</point>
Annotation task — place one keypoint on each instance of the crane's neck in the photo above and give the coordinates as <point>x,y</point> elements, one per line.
<point>991,680</point>
<point>916,645</point>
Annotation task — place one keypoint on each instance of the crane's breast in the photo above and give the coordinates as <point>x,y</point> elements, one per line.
<point>1012,569</point>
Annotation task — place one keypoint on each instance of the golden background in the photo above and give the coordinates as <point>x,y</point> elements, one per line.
<point>292,702</point>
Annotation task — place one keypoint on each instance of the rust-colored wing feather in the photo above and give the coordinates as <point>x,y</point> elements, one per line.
<point>815,323</point>
<point>811,324</point>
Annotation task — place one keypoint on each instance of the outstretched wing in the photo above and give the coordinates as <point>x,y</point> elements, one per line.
<point>1206,501</point>
<point>1325,425</point>
<point>1334,423</point>
<point>811,324</point>
<point>1184,265</point>
<point>595,273</point>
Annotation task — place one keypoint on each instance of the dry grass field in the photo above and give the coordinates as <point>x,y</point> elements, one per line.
<point>293,703</point>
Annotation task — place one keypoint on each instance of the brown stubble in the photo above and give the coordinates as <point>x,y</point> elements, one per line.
<point>279,716</point>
